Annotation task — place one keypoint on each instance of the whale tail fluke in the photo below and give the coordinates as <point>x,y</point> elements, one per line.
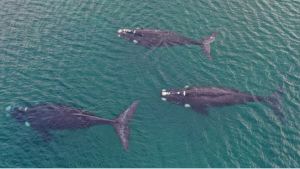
<point>205,44</point>
<point>274,102</point>
<point>121,124</point>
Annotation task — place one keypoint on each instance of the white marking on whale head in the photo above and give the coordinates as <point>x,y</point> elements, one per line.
<point>187,105</point>
<point>135,41</point>
<point>184,93</point>
<point>8,108</point>
<point>134,31</point>
<point>163,90</point>
<point>178,92</point>
<point>186,86</point>
<point>163,99</point>
<point>124,30</point>
<point>119,35</point>
<point>164,93</point>
<point>27,124</point>
<point>26,108</point>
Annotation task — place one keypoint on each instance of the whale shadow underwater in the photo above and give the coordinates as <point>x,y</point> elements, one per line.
<point>46,117</point>
<point>200,99</point>
<point>152,38</point>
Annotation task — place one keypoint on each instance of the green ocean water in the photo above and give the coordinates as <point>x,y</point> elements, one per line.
<point>68,52</point>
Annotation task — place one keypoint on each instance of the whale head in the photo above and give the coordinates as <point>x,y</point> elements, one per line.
<point>19,113</point>
<point>126,33</point>
<point>177,96</point>
<point>133,35</point>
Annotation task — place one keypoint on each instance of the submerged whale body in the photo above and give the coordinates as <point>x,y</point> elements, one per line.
<point>46,117</point>
<point>161,38</point>
<point>202,98</point>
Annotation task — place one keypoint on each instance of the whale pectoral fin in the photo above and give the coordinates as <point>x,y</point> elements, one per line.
<point>204,112</point>
<point>200,109</point>
<point>149,52</point>
<point>206,50</point>
<point>45,135</point>
<point>205,44</point>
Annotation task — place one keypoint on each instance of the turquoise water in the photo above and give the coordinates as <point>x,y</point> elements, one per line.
<point>68,52</point>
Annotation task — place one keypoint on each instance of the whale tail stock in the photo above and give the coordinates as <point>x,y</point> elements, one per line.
<point>274,102</point>
<point>121,124</point>
<point>205,44</point>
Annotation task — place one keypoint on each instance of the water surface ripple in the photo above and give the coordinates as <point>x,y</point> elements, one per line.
<point>68,52</point>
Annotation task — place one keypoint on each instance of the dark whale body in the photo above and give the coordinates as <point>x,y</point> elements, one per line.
<point>161,38</point>
<point>46,117</point>
<point>202,98</point>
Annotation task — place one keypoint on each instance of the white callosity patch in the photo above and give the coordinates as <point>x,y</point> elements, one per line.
<point>8,108</point>
<point>186,86</point>
<point>164,93</point>
<point>163,90</point>
<point>187,105</point>
<point>124,30</point>
<point>127,30</point>
<point>184,93</point>
<point>22,108</point>
<point>27,124</point>
<point>135,41</point>
<point>163,99</point>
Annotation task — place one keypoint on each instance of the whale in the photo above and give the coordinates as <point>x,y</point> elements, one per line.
<point>200,99</point>
<point>162,38</point>
<point>49,116</point>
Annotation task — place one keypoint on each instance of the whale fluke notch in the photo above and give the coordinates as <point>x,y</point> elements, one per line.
<point>205,44</point>
<point>121,124</point>
<point>275,103</point>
